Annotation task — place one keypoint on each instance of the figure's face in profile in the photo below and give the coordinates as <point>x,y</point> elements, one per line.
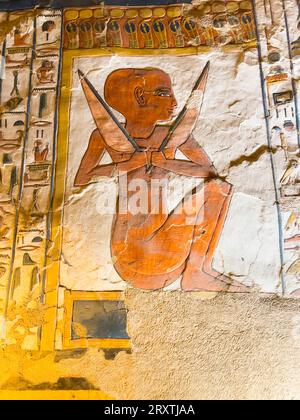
<point>143,96</point>
<point>157,96</point>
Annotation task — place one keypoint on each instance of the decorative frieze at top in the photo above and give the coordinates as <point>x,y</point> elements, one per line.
<point>209,24</point>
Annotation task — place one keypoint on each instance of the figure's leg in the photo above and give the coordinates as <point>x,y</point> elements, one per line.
<point>208,260</point>
<point>199,274</point>
<point>151,252</point>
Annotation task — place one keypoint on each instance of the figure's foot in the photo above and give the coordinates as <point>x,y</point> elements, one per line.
<point>199,280</point>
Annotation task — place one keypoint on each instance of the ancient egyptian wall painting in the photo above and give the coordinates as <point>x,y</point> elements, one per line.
<point>154,148</point>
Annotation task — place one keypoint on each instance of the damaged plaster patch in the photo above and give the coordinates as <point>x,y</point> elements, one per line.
<point>244,251</point>
<point>183,347</point>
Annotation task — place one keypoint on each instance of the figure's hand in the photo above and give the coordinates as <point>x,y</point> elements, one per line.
<point>138,160</point>
<point>158,158</point>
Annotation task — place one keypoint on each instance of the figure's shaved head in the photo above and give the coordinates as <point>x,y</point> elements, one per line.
<point>121,84</point>
<point>144,96</point>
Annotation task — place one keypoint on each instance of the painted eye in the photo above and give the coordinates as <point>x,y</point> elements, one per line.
<point>163,93</point>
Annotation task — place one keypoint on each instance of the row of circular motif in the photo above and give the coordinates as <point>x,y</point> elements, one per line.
<point>158,25</point>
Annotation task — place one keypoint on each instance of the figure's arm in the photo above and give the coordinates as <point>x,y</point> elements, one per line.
<point>198,166</point>
<point>182,167</point>
<point>138,160</point>
<point>89,166</point>
<point>196,154</point>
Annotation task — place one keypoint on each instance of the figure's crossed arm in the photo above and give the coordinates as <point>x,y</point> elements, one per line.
<point>179,137</point>
<point>196,154</point>
<point>89,166</point>
<point>198,166</point>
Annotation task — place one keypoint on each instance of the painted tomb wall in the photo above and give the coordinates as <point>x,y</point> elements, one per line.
<point>189,113</point>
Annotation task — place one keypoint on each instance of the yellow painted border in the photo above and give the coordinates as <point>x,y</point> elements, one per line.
<point>54,253</point>
<point>54,395</point>
<point>107,343</point>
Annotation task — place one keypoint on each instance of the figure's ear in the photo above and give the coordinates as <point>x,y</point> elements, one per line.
<point>139,95</point>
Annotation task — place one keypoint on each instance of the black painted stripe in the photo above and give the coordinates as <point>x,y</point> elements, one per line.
<point>8,5</point>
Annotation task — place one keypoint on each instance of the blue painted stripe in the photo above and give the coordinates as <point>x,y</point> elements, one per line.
<point>8,5</point>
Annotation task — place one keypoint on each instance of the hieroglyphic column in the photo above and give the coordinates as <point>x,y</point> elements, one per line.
<point>275,20</point>
<point>24,286</point>
<point>15,92</point>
